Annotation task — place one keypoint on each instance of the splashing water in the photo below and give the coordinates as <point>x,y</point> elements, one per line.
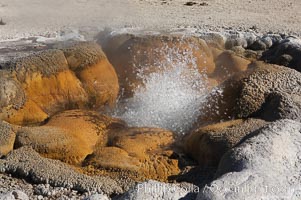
<point>170,97</point>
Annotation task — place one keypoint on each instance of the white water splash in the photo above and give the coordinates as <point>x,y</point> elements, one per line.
<point>169,98</point>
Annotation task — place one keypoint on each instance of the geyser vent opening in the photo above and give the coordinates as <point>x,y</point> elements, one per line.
<point>170,97</point>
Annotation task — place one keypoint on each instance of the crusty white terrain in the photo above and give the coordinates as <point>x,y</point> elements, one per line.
<point>265,166</point>
<point>43,17</point>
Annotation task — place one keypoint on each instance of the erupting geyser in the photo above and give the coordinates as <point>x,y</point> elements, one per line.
<point>169,97</point>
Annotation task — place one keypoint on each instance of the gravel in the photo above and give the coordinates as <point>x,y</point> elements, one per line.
<point>11,188</point>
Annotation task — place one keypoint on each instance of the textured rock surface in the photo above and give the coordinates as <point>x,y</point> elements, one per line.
<point>252,55</point>
<point>258,45</point>
<point>28,164</point>
<point>264,165</point>
<point>258,89</point>
<point>131,54</point>
<point>266,91</point>
<point>46,62</point>
<point>53,142</point>
<point>11,93</point>
<point>223,100</point>
<point>46,82</point>
<point>236,39</point>
<point>208,144</point>
<point>39,85</point>
<point>282,105</point>
<point>287,53</point>
<point>142,151</point>
<point>157,190</point>
<point>8,184</point>
<point>7,138</point>
<point>15,194</point>
<point>14,107</point>
<point>214,39</point>
<point>90,127</point>
<point>69,136</point>
<point>94,71</point>
<point>83,54</point>
<point>227,64</point>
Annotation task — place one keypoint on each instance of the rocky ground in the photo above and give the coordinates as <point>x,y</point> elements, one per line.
<point>60,137</point>
<point>48,18</point>
<point>58,142</point>
<point>14,188</point>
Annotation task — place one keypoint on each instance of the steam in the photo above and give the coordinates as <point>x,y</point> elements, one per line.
<point>171,96</point>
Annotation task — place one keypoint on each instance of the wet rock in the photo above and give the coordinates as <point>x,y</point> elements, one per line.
<point>222,101</point>
<point>258,45</point>
<point>264,165</point>
<point>28,164</point>
<point>262,43</point>
<point>287,53</point>
<point>284,60</point>
<point>96,73</point>
<point>227,64</point>
<point>134,56</point>
<point>208,144</point>
<point>156,190</point>
<point>267,40</point>
<point>276,38</point>
<point>143,151</point>
<point>252,55</point>
<point>7,138</point>
<point>69,136</point>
